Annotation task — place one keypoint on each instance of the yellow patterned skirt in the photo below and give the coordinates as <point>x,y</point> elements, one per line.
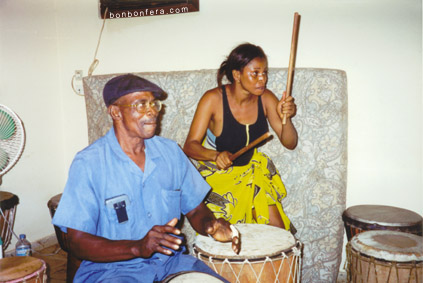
<point>240,189</point>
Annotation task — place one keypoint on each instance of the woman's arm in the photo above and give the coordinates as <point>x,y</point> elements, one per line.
<point>275,110</point>
<point>202,118</point>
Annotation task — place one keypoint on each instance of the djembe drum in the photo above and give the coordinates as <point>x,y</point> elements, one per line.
<point>362,218</point>
<point>22,269</point>
<point>8,202</point>
<point>385,256</point>
<point>73,263</point>
<point>61,237</point>
<point>268,254</point>
<point>191,276</point>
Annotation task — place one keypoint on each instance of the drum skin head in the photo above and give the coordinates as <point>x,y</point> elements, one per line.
<point>191,276</point>
<point>382,214</point>
<point>389,245</point>
<point>17,267</point>
<point>8,200</point>
<point>257,241</point>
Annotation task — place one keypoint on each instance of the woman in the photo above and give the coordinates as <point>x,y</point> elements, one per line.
<point>229,117</point>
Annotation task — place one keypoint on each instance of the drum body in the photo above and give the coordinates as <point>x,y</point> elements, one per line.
<point>61,237</point>
<point>362,218</point>
<point>8,203</point>
<point>22,269</point>
<point>385,256</point>
<point>191,276</point>
<point>268,254</point>
<point>73,263</point>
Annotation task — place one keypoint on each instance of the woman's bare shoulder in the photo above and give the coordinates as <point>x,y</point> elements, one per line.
<point>212,95</point>
<point>269,96</point>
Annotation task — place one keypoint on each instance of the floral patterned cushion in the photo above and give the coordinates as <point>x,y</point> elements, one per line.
<point>315,173</point>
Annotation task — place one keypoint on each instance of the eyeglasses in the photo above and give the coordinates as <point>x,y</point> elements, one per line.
<point>143,105</point>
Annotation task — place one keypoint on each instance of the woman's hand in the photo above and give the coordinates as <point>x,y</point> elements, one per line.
<point>286,106</point>
<point>223,160</point>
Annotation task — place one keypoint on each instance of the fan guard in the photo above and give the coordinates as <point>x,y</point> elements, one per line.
<point>12,139</point>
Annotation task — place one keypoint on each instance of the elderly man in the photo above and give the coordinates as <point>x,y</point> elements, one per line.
<point>126,192</point>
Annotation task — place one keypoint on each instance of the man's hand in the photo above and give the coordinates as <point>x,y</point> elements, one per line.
<point>221,231</point>
<point>158,240</point>
<point>204,222</point>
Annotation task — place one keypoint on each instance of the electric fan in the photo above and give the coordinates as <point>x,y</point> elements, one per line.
<point>12,139</point>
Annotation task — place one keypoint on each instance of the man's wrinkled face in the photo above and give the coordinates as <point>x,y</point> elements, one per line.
<point>139,113</point>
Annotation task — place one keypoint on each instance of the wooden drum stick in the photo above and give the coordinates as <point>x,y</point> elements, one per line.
<point>250,146</point>
<point>292,58</point>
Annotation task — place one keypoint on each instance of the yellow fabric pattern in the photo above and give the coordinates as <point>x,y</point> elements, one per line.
<point>239,189</point>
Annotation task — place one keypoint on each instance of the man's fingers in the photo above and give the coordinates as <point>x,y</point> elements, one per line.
<point>173,222</point>
<point>164,242</point>
<point>175,245</point>
<point>235,232</point>
<point>170,239</point>
<point>170,227</point>
<point>236,245</point>
<point>236,242</point>
<point>163,250</point>
<point>210,230</point>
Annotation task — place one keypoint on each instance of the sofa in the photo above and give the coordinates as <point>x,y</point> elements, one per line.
<point>315,173</point>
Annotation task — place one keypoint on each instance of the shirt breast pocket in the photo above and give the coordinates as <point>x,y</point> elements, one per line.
<point>118,210</point>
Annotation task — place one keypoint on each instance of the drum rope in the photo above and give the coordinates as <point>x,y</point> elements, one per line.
<point>348,262</point>
<point>414,267</point>
<point>390,270</point>
<point>372,262</point>
<point>9,225</point>
<point>416,272</point>
<point>280,268</point>
<point>297,250</point>
<point>237,267</point>
<point>362,269</point>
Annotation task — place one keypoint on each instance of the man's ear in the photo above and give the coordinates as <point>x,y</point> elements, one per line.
<point>114,112</point>
<point>236,75</point>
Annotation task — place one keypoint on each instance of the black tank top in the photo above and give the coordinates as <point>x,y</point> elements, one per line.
<point>234,135</point>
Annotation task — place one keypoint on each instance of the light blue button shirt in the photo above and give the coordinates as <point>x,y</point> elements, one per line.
<point>170,185</point>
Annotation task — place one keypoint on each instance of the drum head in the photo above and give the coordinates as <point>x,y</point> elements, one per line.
<point>389,245</point>
<point>17,267</point>
<point>258,241</point>
<point>382,214</point>
<point>8,200</point>
<point>191,276</point>
<point>54,202</point>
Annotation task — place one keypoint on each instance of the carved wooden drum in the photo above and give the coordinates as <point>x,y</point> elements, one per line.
<point>22,269</point>
<point>61,237</point>
<point>385,256</point>
<point>361,218</point>
<point>268,254</point>
<point>8,202</point>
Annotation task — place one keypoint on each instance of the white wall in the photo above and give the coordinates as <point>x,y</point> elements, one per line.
<point>378,43</point>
